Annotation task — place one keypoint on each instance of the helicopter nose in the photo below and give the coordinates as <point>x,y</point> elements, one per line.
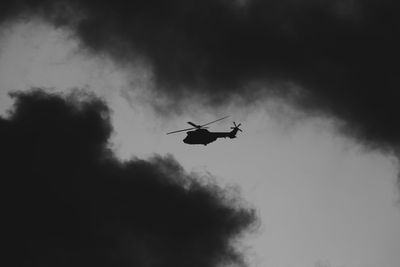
<point>185,140</point>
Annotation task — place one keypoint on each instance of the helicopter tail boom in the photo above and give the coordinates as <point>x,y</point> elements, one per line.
<point>231,134</point>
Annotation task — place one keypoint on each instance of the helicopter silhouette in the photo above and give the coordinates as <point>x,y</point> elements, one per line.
<point>203,137</point>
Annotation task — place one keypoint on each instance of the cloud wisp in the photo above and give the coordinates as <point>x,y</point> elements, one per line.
<point>71,202</point>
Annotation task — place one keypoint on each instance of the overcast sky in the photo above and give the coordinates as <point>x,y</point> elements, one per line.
<point>323,199</point>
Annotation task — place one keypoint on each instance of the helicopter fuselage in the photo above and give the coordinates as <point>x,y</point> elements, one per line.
<point>204,137</point>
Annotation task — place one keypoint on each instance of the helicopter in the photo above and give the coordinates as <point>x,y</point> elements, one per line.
<point>203,137</point>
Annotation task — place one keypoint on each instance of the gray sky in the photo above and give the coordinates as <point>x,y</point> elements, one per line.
<point>322,199</point>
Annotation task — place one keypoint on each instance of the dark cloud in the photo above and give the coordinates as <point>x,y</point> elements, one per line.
<point>70,202</point>
<point>342,54</point>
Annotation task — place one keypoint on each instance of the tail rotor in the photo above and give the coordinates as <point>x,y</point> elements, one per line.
<point>236,127</point>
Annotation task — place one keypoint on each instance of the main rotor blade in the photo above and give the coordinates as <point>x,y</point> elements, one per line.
<point>214,121</point>
<point>188,129</point>
<point>194,125</point>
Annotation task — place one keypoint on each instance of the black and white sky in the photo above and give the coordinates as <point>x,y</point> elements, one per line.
<point>312,180</point>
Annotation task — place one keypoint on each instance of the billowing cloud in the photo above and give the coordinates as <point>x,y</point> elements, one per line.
<point>343,54</point>
<point>332,58</point>
<point>71,202</point>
